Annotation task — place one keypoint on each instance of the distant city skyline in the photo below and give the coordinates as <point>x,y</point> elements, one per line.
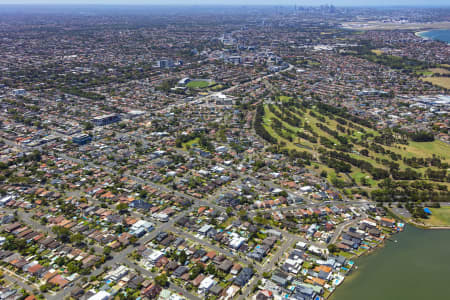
<point>237,2</point>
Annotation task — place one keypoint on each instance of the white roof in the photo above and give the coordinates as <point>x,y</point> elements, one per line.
<point>294,262</point>
<point>136,112</point>
<point>277,190</point>
<point>6,199</point>
<point>205,228</point>
<point>237,242</point>
<point>142,223</point>
<point>207,283</point>
<point>102,295</point>
<point>220,95</point>
<point>306,188</point>
<point>155,255</point>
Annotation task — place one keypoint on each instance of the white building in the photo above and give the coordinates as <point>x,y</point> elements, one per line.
<point>5,200</point>
<point>147,226</point>
<point>294,266</point>
<point>236,242</point>
<point>221,99</point>
<point>162,217</point>
<point>206,284</point>
<point>102,295</point>
<point>117,274</point>
<point>306,189</point>
<point>155,256</point>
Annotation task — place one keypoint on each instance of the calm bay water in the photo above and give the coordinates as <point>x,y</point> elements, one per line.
<point>417,267</point>
<point>440,35</point>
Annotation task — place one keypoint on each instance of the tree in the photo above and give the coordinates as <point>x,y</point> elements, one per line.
<point>107,251</point>
<point>133,239</point>
<point>422,136</point>
<point>119,228</point>
<point>63,234</point>
<point>182,257</point>
<point>332,248</point>
<point>88,126</point>
<point>211,269</point>
<point>122,206</point>
<point>364,152</point>
<point>77,238</point>
<point>13,243</point>
<point>161,280</point>
<point>74,267</point>
<point>242,214</point>
<point>365,181</point>
<point>60,261</point>
<point>197,269</point>
<point>68,209</point>
<point>229,211</point>
<point>259,128</point>
<point>43,288</point>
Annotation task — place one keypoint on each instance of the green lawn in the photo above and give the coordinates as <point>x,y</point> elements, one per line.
<point>199,84</point>
<point>217,87</point>
<point>332,175</point>
<point>191,143</point>
<point>313,63</point>
<point>284,98</point>
<point>424,72</point>
<point>439,217</point>
<point>377,51</point>
<point>289,145</point>
<point>358,175</point>
<point>345,254</point>
<point>414,149</point>
<point>429,148</point>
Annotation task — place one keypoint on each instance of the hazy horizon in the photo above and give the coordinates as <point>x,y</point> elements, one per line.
<point>347,3</point>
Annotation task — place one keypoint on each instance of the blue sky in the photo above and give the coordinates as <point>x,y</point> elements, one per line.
<point>241,2</point>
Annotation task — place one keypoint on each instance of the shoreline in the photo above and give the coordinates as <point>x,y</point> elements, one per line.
<point>425,227</point>
<point>422,33</point>
<point>354,269</point>
<point>415,224</point>
<point>378,247</point>
<point>375,262</point>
